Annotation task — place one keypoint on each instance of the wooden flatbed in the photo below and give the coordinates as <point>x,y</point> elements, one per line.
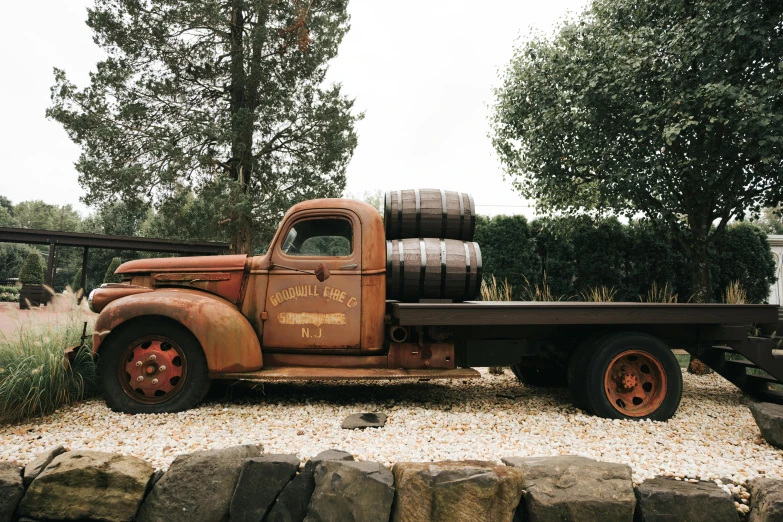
<point>479,313</point>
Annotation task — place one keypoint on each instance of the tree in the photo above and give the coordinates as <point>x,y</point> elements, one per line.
<point>672,109</point>
<point>32,272</point>
<point>220,97</point>
<point>12,257</point>
<point>110,276</point>
<point>39,215</point>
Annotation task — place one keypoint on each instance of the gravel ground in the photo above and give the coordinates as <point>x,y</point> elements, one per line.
<point>713,436</point>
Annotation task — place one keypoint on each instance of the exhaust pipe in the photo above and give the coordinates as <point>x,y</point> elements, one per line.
<point>398,334</point>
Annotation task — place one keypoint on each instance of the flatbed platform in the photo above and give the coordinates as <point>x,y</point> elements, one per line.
<point>339,374</point>
<point>477,313</point>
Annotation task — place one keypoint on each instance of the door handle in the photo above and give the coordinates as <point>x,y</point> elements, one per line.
<point>349,267</point>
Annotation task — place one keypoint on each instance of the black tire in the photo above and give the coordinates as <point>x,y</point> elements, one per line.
<point>549,377</point>
<point>639,345</point>
<point>187,394</point>
<point>577,376</point>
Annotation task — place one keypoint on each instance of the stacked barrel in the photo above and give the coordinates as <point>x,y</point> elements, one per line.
<point>430,252</point>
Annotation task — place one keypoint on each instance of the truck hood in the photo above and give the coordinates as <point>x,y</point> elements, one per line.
<point>184,264</point>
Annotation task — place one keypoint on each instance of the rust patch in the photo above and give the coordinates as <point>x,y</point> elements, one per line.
<point>314,318</point>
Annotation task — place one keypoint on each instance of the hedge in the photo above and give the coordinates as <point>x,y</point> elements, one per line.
<point>576,254</point>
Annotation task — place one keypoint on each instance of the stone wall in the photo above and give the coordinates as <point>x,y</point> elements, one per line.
<point>242,483</point>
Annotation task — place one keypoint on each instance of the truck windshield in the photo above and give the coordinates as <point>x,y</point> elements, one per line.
<point>320,237</point>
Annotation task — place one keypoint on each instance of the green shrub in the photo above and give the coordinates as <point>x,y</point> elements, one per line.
<point>637,261</point>
<point>34,376</point>
<point>76,284</point>
<point>9,289</point>
<point>110,276</point>
<point>508,250</point>
<point>32,270</point>
<point>742,256</point>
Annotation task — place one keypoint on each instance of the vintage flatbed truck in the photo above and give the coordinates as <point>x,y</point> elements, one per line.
<point>315,307</point>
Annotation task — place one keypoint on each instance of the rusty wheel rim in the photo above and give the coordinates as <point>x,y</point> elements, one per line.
<point>152,369</point>
<point>635,383</point>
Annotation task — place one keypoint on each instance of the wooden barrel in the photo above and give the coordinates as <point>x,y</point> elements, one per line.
<point>429,213</point>
<point>432,269</point>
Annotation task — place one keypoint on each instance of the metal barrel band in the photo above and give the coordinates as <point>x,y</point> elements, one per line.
<point>442,268</point>
<point>423,269</point>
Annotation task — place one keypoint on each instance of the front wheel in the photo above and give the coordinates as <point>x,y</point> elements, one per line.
<point>632,375</point>
<point>153,366</point>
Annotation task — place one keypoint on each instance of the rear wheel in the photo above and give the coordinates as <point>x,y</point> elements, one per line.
<point>153,366</point>
<point>632,375</point>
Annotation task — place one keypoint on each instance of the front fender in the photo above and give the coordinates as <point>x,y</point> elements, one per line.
<point>229,342</point>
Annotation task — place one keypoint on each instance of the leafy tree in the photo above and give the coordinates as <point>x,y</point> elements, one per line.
<point>110,276</point>
<point>39,215</point>
<point>32,272</point>
<point>221,97</point>
<point>7,218</point>
<point>672,109</point>
<point>12,257</point>
<point>771,221</point>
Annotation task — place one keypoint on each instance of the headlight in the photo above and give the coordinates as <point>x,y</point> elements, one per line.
<point>89,299</point>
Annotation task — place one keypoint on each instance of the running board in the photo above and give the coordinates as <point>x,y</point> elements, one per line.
<point>339,374</point>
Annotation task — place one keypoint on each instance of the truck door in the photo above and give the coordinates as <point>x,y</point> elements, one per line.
<point>301,312</point>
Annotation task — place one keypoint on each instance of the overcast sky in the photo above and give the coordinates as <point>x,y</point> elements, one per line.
<point>422,71</point>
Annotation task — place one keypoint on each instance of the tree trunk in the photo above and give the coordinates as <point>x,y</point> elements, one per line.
<point>700,271</point>
<point>700,277</point>
<point>241,161</point>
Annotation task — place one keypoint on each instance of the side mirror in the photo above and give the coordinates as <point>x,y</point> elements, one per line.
<point>322,272</point>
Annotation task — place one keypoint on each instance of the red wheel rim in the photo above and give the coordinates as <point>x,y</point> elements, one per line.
<point>635,383</point>
<point>152,369</point>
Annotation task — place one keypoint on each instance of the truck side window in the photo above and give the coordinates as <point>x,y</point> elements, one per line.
<point>324,237</point>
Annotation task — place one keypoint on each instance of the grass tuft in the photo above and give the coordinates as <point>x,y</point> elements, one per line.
<point>598,294</point>
<point>35,377</point>
<point>539,292</point>
<point>493,291</point>
<point>735,294</point>
<point>658,294</point>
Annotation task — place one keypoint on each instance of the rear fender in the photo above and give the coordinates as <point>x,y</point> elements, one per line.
<point>227,338</point>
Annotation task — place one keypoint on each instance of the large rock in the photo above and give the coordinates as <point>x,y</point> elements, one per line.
<point>261,481</point>
<point>197,486</point>
<point>291,504</point>
<point>669,500</point>
<point>348,491</point>
<point>769,418</point>
<point>35,468</point>
<point>11,490</point>
<point>90,485</point>
<point>456,491</point>
<point>766,500</point>
<point>571,488</point>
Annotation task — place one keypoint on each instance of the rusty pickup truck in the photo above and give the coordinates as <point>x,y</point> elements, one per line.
<point>315,307</point>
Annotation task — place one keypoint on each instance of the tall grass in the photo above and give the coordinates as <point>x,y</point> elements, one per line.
<point>659,294</point>
<point>492,291</point>
<point>35,377</point>
<point>599,294</point>
<point>735,294</point>
<point>539,292</point>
